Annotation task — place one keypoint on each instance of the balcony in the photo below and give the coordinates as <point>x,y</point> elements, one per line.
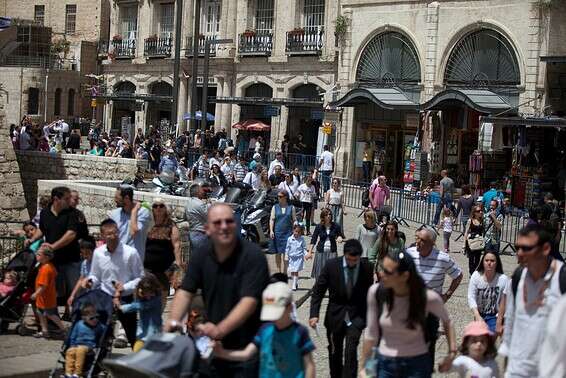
<point>250,43</point>
<point>304,42</point>
<point>124,48</point>
<point>157,47</point>
<point>202,39</point>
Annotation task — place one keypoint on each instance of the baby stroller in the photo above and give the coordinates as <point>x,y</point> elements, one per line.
<point>104,308</point>
<point>14,306</point>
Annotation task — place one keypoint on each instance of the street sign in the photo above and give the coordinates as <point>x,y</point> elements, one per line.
<point>327,128</point>
<point>93,103</point>
<point>271,111</point>
<point>317,114</point>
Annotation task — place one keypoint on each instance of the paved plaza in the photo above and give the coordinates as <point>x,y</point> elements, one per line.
<point>30,357</point>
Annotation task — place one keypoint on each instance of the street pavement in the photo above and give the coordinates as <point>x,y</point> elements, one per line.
<point>30,357</point>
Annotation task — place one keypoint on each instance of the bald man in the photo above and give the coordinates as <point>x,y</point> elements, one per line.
<point>232,274</point>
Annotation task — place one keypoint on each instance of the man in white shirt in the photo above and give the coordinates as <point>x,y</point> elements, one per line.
<point>326,167</point>
<point>116,269</point>
<point>252,177</point>
<point>65,130</point>
<point>277,162</point>
<point>535,292</point>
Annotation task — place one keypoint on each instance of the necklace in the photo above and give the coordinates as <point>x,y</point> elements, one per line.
<point>539,300</point>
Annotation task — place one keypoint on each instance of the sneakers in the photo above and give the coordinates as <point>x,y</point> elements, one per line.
<point>41,335</point>
<point>120,343</point>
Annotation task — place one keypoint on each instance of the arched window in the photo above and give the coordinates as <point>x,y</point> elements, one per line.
<point>389,59</point>
<point>71,102</point>
<point>57,102</point>
<point>125,87</point>
<point>161,88</point>
<point>483,58</point>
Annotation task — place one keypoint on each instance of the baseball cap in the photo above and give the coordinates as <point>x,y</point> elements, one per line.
<point>257,156</point>
<point>275,299</point>
<point>476,328</point>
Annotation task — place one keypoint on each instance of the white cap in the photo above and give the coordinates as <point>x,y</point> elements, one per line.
<point>275,299</point>
<point>257,156</point>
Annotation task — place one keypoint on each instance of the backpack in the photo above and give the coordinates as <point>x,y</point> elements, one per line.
<point>365,197</point>
<point>516,277</point>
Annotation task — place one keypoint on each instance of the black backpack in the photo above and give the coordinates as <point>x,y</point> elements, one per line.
<point>365,197</point>
<point>516,277</point>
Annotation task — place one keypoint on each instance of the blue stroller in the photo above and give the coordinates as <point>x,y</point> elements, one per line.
<point>104,309</point>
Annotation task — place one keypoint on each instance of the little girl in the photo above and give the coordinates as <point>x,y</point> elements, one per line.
<point>446,223</point>
<point>9,283</point>
<point>478,353</point>
<point>295,254</point>
<point>148,306</point>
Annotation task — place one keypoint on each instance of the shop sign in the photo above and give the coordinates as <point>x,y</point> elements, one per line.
<point>327,128</point>
<point>93,103</point>
<point>317,114</point>
<point>271,111</point>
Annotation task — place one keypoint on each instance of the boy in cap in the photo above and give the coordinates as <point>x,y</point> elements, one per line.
<point>45,295</point>
<point>284,346</point>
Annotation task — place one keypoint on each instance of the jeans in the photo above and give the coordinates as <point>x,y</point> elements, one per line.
<point>67,276</point>
<point>444,202</point>
<point>490,320</point>
<point>337,352</point>
<point>366,166</point>
<point>446,236</point>
<point>325,178</point>
<point>404,367</point>
<point>491,246</point>
<point>128,321</point>
<point>198,240</point>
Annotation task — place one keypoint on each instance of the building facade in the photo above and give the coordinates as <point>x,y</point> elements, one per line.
<point>406,67</point>
<point>280,50</point>
<point>52,48</point>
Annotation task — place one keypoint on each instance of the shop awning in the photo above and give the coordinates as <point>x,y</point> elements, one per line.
<point>270,101</point>
<point>553,122</point>
<point>386,98</point>
<point>553,59</point>
<point>481,100</point>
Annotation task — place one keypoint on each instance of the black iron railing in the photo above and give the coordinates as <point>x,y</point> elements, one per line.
<point>124,48</point>
<point>157,47</point>
<point>255,44</point>
<point>304,42</point>
<point>189,50</point>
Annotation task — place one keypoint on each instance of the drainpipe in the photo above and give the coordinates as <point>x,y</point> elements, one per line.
<point>21,90</point>
<point>45,96</point>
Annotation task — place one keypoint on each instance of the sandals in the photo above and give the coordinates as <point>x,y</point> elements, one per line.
<point>41,335</point>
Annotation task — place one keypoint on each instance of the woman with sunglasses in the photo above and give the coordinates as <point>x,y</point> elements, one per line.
<point>474,229</point>
<point>367,233</point>
<point>486,289</point>
<point>391,240</point>
<point>333,199</point>
<point>162,247</point>
<point>264,182</point>
<point>325,236</point>
<point>281,227</point>
<point>397,309</point>
<point>216,177</point>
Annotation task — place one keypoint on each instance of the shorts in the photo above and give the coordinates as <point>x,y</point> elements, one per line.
<point>48,311</point>
<point>67,276</point>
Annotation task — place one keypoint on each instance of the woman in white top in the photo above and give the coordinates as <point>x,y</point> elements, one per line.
<point>486,288</point>
<point>333,199</point>
<point>397,309</point>
<point>296,178</point>
<point>368,232</point>
<point>287,185</point>
<point>306,194</point>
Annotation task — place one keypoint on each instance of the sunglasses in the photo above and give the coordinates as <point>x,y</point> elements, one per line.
<point>525,248</point>
<point>94,317</point>
<point>220,221</point>
<point>158,206</point>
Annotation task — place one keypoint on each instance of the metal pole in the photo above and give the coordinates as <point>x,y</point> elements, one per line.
<point>45,96</point>
<point>203,111</point>
<point>177,60</point>
<point>196,31</point>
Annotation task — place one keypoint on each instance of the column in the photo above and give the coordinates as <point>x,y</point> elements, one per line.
<point>431,49</point>
<point>283,20</point>
<point>108,118</point>
<point>226,119</point>
<point>144,29</point>
<point>182,105</point>
<point>218,107</point>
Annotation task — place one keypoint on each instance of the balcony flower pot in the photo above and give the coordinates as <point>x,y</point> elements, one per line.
<point>117,38</point>
<point>249,33</point>
<point>152,38</point>
<point>297,31</point>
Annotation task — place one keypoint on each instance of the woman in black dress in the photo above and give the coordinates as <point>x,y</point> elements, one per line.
<point>473,233</point>
<point>162,247</point>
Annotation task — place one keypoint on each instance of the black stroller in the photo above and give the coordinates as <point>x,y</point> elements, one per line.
<point>104,308</point>
<point>13,307</point>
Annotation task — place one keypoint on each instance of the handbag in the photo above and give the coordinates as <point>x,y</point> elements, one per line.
<point>477,243</point>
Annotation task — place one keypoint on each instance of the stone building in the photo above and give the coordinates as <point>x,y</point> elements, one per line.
<point>51,48</point>
<point>410,66</point>
<point>281,50</point>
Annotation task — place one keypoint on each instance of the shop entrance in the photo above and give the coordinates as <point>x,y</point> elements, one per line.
<point>306,121</point>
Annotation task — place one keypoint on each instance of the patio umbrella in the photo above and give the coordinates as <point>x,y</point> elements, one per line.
<point>198,116</point>
<point>251,125</point>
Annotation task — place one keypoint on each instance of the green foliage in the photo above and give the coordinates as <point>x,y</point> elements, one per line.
<point>341,26</point>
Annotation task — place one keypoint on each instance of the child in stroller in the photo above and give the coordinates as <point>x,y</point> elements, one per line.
<point>8,283</point>
<point>91,309</point>
<point>82,340</point>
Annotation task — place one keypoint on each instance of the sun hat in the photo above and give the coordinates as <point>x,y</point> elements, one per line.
<point>275,298</point>
<point>477,328</point>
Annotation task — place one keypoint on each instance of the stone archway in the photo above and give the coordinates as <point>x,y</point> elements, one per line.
<point>159,112</point>
<point>305,120</point>
<point>123,109</point>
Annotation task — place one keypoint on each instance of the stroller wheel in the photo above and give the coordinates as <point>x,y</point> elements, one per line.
<point>3,326</point>
<point>21,330</point>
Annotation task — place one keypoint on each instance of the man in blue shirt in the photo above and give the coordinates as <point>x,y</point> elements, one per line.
<point>491,194</point>
<point>168,162</point>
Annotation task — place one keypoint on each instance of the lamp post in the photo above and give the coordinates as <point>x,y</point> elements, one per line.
<point>177,60</point>
<point>207,45</point>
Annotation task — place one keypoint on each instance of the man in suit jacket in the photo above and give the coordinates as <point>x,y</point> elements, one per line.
<point>347,279</point>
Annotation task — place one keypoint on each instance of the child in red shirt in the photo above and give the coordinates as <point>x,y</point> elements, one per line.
<point>45,295</point>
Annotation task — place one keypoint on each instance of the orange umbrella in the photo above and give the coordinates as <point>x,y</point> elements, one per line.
<point>251,125</point>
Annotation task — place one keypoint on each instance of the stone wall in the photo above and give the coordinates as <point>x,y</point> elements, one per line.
<point>12,202</point>
<point>45,166</point>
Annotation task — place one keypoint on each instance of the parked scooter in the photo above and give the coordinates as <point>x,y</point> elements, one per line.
<point>255,218</point>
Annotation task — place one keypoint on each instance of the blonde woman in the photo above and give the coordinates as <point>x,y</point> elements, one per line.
<point>333,199</point>
<point>162,247</point>
<point>367,233</point>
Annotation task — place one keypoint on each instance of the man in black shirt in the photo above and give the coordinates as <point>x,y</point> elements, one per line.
<point>232,274</point>
<point>59,226</point>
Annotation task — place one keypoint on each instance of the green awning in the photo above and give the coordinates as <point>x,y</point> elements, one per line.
<point>481,100</point>
<point>386,98</point>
